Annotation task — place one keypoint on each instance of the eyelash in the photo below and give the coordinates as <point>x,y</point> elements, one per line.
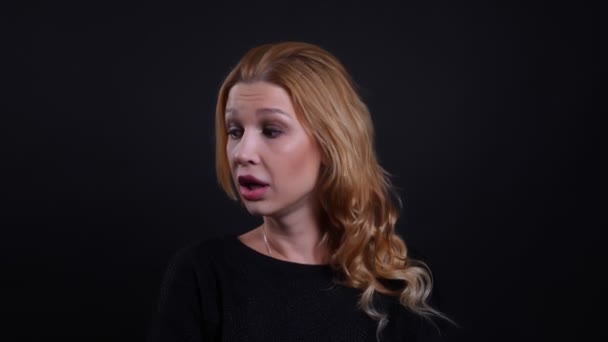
<point>274,133</point>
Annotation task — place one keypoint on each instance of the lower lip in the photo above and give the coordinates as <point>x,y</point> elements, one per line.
<point>253,194</point>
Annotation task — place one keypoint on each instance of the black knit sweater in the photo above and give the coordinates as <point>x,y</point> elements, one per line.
<point>222,290</point>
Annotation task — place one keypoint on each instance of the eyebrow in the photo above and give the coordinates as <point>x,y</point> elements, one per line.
<point>261,111</point>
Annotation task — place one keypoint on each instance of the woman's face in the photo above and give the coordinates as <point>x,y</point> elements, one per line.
<point>267,142</point>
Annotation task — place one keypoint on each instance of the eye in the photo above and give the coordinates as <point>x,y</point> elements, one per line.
<point>234,133</point>
<point>271,132</point>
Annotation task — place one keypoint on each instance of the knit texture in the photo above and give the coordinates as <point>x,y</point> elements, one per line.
<point>222,290</point>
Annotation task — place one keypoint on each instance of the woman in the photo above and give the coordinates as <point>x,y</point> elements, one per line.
<point>295,146</point>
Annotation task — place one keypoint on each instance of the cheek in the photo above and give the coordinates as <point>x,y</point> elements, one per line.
<point>230,160</point>
<point>302,165</point>
<point>230,151</point>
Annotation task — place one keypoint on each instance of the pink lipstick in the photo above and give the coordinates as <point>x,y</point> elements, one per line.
<point>251,188</point>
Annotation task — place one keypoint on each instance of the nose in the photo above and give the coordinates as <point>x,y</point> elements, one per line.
<point>245,150</point>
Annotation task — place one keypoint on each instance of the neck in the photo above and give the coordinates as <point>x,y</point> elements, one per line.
<point>294,239</point>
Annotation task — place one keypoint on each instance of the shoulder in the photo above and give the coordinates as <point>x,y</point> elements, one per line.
<point>201,252</point>
<point>404,324</point>
<point>188,294</point>
<point>198,257</point>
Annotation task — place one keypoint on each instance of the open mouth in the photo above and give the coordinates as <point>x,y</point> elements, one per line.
<point>253,186</point>
<point>251,183</point>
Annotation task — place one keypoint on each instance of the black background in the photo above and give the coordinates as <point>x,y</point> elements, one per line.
<point>479,111</point>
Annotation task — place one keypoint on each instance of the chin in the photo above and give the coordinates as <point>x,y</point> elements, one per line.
<point>258,208</point>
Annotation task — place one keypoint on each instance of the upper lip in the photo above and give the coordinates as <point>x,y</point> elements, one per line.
<point>248,179</point>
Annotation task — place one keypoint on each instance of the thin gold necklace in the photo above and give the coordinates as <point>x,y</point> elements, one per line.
<point>266,240</point>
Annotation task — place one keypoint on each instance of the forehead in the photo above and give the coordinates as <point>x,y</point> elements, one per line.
<point>253,97</point>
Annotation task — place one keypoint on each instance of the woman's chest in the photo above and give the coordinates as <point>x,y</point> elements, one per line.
<point>293,310</point>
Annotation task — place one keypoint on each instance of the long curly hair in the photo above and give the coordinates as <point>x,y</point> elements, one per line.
<point>357,198</point>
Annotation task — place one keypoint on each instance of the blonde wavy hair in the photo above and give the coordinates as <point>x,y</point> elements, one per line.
<point>358,211</point>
